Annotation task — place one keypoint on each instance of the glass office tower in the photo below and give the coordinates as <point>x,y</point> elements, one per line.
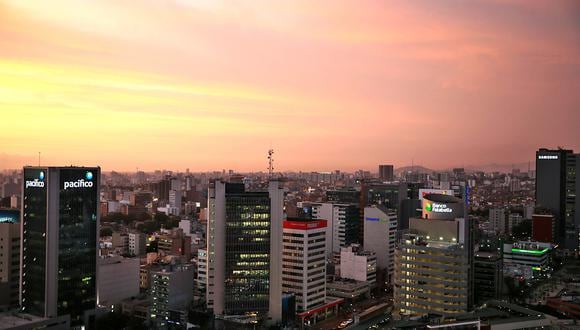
<point>59,246</point>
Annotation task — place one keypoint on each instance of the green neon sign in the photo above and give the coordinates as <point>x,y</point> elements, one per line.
<point>531,251</point>
<point>428,207</point>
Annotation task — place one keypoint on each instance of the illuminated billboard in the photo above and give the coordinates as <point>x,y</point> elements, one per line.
<point>9,216</point>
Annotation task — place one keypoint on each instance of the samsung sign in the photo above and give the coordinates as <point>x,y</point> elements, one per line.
<point>36,183</point>
<point>80,183</point>
<point>548,157</point>
<point>438,208</point>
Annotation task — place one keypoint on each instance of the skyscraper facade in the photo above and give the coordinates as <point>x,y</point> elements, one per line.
<point>558,190</point>
<point>244,250</point>
<point>59,249</point>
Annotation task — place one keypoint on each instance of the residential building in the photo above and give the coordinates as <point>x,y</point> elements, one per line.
<point>386,173</point>
<point>172,293</point>
<point>137,244</point>
<point>359,265</point>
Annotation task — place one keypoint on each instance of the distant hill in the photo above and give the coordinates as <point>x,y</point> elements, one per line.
<point>418,168</point>
<point>488,168</point>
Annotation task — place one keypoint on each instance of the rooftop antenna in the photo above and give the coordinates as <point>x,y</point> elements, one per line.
<point>270,162</point>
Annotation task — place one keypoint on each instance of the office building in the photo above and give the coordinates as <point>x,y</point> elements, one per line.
<point>343,224</point>
<point>558,190</point>
<point>244,249</point>
<point>137,244</point>
<point>357,264</point>
<point>304,262</point>
<point>487,277</point>
<point>9,259</point>
<point>527,259</point>
<point>386,172</point>
<point>60,237</point>
<point>380,234</point>
<point>172,293</point>
<point>118,279</point>
<point>433,263</point>
<point>543,228</point>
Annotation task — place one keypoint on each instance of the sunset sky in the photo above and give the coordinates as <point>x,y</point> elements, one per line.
<point>175,84</point>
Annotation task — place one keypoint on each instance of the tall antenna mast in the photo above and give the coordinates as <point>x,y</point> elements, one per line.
<point>270,162</point>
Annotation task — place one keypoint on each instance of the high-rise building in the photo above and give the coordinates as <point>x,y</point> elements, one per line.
<point>304,262</point>
<point>488,276</point>
<point>9,258</point>
<point>386,172</point>
<point>244,248</point>
<point>343,224</point>
<point>380,234</point>
<point>172,293</point>
<point>433,263</point>
<point>558,190</point>
<point>60,225</point>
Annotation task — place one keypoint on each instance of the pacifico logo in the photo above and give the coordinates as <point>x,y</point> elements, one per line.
<point>80,183</point>
<point>36,183</point>
<point>428,207</point>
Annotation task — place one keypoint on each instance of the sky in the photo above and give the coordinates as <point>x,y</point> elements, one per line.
<point>211,85</point>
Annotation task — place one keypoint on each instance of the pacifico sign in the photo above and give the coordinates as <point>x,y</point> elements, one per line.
<point>80,183</point>
<point>36,183</point>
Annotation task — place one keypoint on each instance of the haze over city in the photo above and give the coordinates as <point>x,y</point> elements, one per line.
<point>329,85</point>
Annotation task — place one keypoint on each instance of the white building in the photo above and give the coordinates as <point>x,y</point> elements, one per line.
<point>118,279</point>
<point>358,265</point>
<point>201,269</point>
<point>304,262</point>
<point>380,235</point>
<point>137,244</point>
<point>339,217</point>
<point>185,225</point>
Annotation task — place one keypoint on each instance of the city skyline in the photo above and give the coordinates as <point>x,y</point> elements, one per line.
<point>213,85</point>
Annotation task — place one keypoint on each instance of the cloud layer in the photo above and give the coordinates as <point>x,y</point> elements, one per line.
<point>330,85</point>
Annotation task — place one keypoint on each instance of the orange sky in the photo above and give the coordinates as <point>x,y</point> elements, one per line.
<point>175,84</point>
